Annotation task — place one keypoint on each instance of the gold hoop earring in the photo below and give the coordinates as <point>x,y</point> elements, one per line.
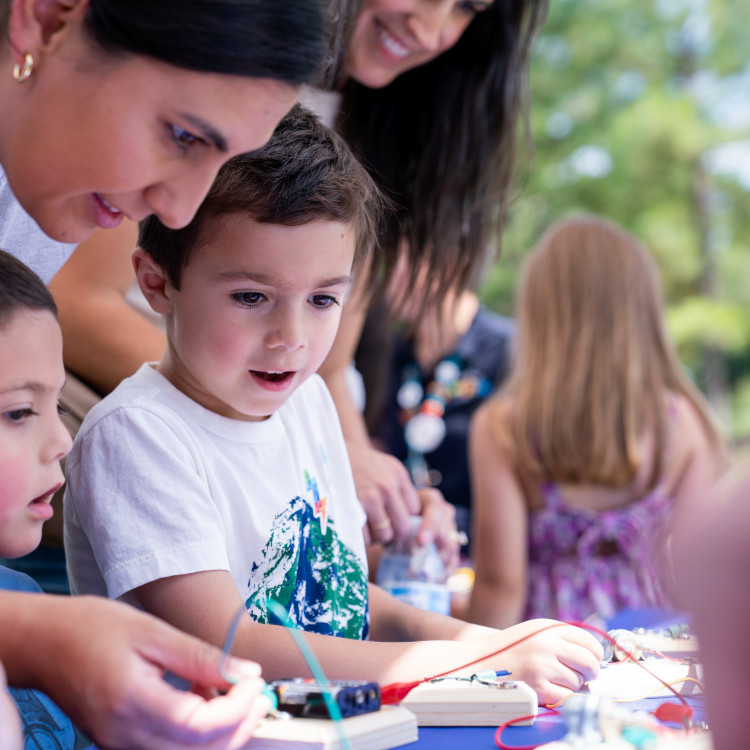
<point>23,72</point>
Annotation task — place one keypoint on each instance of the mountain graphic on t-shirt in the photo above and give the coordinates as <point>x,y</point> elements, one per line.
<point>315,577</point>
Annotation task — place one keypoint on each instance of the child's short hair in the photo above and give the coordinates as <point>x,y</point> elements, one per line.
<point>21,288</point>
<point>304,173</point>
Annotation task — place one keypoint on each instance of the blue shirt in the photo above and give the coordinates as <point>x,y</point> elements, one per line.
<point>44,723</point>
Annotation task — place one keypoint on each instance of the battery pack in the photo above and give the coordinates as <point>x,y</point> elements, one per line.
<point>305,698</point>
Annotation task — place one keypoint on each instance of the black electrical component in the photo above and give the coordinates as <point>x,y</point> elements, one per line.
<point>306,698</point>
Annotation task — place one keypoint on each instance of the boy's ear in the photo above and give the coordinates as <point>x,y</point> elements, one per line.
<point>153,281</point>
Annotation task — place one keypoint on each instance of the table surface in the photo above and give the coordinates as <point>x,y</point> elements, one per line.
<point>545,729</point>
<point>551,728</point>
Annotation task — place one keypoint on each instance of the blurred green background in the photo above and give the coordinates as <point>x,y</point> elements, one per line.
<point>640,111</point>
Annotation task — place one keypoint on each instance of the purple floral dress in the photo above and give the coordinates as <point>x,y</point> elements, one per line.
<point>583,562</point>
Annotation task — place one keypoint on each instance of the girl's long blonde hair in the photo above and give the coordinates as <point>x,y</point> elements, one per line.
<point>593,361</point>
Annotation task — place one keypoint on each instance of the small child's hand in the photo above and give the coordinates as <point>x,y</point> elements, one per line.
<point>555,659</point>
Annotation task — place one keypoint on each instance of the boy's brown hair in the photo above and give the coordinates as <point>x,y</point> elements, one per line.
<point>21,289</point>
<point>304,173</point>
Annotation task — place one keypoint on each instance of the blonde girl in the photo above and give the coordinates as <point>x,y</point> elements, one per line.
<point>580,460</point>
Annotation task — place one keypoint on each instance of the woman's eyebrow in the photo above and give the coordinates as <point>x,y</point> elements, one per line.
<point>207,131</point>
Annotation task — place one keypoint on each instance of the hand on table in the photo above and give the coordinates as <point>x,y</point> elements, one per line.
<point>555,660</point>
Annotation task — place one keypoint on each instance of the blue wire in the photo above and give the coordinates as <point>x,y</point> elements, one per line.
<point>231,679</point>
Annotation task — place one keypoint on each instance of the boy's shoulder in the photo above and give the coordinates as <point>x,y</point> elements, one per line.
<point>145,383</point>
<point>144,393</point>
<point>14,580</point>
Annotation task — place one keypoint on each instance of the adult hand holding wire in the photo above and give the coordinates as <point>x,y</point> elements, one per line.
<point>103,662</point>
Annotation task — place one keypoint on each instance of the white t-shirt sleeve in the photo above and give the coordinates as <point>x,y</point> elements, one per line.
<point>137,507</point>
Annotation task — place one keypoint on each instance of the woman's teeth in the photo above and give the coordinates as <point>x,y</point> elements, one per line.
<point>109,206</point>
<point>391,43</point>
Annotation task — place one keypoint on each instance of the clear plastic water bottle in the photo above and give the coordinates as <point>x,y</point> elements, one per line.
<point>414,573</point>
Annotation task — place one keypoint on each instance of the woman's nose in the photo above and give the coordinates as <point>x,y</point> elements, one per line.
<point>430,23</point>
<point>176,199</point>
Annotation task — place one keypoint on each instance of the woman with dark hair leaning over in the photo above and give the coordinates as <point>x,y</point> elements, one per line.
<point>112,111</point>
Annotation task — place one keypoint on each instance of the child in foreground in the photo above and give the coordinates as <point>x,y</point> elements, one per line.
<point>218,478</point>
<point>33,440</point>
<point>580,460</point>
<point>40,639</point>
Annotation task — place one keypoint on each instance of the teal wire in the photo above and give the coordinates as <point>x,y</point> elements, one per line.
<point>317,671</point>
<point>307,653</point>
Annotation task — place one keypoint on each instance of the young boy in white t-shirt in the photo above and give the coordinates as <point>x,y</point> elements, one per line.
<point>219,479</point>
<point>59,667</point>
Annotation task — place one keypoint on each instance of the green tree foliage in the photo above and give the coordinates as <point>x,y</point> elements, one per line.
<point>640,111</point>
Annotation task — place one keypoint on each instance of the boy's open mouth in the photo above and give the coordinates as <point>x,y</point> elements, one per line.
<point>272,377</point>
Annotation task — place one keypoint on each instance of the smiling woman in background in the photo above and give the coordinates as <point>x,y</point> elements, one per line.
<point>114,110</point>
<point>431,92</point>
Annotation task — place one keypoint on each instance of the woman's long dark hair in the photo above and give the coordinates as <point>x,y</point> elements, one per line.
<point>280,39</point>
<point>440,140</point>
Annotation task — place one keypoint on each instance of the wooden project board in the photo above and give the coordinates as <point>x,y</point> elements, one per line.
<point>456,703</point>
<point>626,680</point>
<point>391,726</point>
<point>677,647</point>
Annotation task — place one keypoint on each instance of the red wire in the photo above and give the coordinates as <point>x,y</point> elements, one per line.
<point>396,691</point>
<point>495,653</point>
<point>510,722</point>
